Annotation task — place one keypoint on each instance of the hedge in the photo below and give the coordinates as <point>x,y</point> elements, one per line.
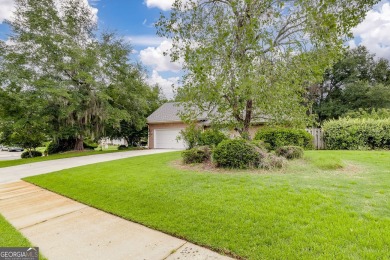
<point>357,134</point>
<point>278,136</point>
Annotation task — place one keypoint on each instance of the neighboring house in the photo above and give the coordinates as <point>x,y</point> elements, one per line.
<point>165,125</point>
<point>108,141</point>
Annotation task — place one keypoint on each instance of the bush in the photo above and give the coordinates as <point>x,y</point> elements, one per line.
<point>357,134</point>
<point>122,147</point>
<point>196,155</point>
<point>236,153</point>
<point>277,137</point>
<point>211,137</point>
<point>190,136</point>
<point>272,161</point>
<point>261,145</point>
<point>290,152</point>
<point>31,154</point>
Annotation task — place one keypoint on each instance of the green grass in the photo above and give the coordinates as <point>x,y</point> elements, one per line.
<point>70,154</point>
<point>325,161</point>
<point>302,212</point>
<point>10,237</point>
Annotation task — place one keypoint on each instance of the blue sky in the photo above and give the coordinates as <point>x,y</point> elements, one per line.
<point>133,19</point>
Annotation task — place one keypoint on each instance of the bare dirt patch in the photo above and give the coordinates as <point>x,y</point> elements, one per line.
<point>352,169</point>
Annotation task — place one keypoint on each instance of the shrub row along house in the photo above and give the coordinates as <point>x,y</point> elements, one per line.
<point>165,125</point>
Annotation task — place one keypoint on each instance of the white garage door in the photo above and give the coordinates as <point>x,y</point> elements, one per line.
<point>166,138</point>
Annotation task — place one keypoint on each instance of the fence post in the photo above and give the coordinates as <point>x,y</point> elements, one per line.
<point>318,139</point>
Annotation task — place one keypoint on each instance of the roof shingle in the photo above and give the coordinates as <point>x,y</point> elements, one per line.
<point>169,113</point>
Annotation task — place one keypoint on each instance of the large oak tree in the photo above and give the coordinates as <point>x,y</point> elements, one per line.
<point>81,81</point>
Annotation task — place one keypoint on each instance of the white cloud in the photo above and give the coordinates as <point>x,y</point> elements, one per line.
<point>164,5</point>
<point>94,10</point>
<point>167,85</point>
<point>144,40</point>
<point>93,2</point>
<point>154,56</point>
<point>6,9</point>
<point>352,44</point>
<point>374,30</point>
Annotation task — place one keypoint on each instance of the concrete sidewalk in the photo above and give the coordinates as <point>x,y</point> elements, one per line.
<point>15,173</point>
<point>65,229</point>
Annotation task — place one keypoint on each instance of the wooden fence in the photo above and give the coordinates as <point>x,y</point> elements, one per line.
<point>318,135</point>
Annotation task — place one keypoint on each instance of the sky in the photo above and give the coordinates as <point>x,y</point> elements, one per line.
<point>134,19</point>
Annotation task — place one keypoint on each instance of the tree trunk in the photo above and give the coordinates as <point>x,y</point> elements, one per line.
<point>79,145</point>
<point>127,140</point>
<point>248,120</point>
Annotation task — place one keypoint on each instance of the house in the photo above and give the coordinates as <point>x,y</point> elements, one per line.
<point>165,125</point>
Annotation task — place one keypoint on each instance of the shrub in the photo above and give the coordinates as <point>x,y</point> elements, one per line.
<point>122,147</point>
<point>190,136</point>
<point>211,137</point>
<point>290,152</point>
<point>236,153</point>
<point>277,137</point>
<point>261,145</point>
<point>196,155</point>
<point>272,161</point>
<point>31,154</point>
<point>357,134</point>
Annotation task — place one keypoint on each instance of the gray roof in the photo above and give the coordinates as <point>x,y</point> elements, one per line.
<point>169,113</point>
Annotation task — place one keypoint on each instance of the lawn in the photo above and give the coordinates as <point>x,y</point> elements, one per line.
<point>331,205</point>
<point>70,154</point>
<point>10,237</point>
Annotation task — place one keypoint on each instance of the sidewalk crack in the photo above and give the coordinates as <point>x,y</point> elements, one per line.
<point>24,194</point>
<point>43,221</point>
<point>175,250</point>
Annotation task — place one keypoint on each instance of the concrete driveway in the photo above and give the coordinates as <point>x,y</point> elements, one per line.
<point>15,173</point>
<point>5,155</point>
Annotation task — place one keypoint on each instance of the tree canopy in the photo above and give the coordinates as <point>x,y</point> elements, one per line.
<point>76,83</point>
<point>248,59</point>
<point>356,81</point>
